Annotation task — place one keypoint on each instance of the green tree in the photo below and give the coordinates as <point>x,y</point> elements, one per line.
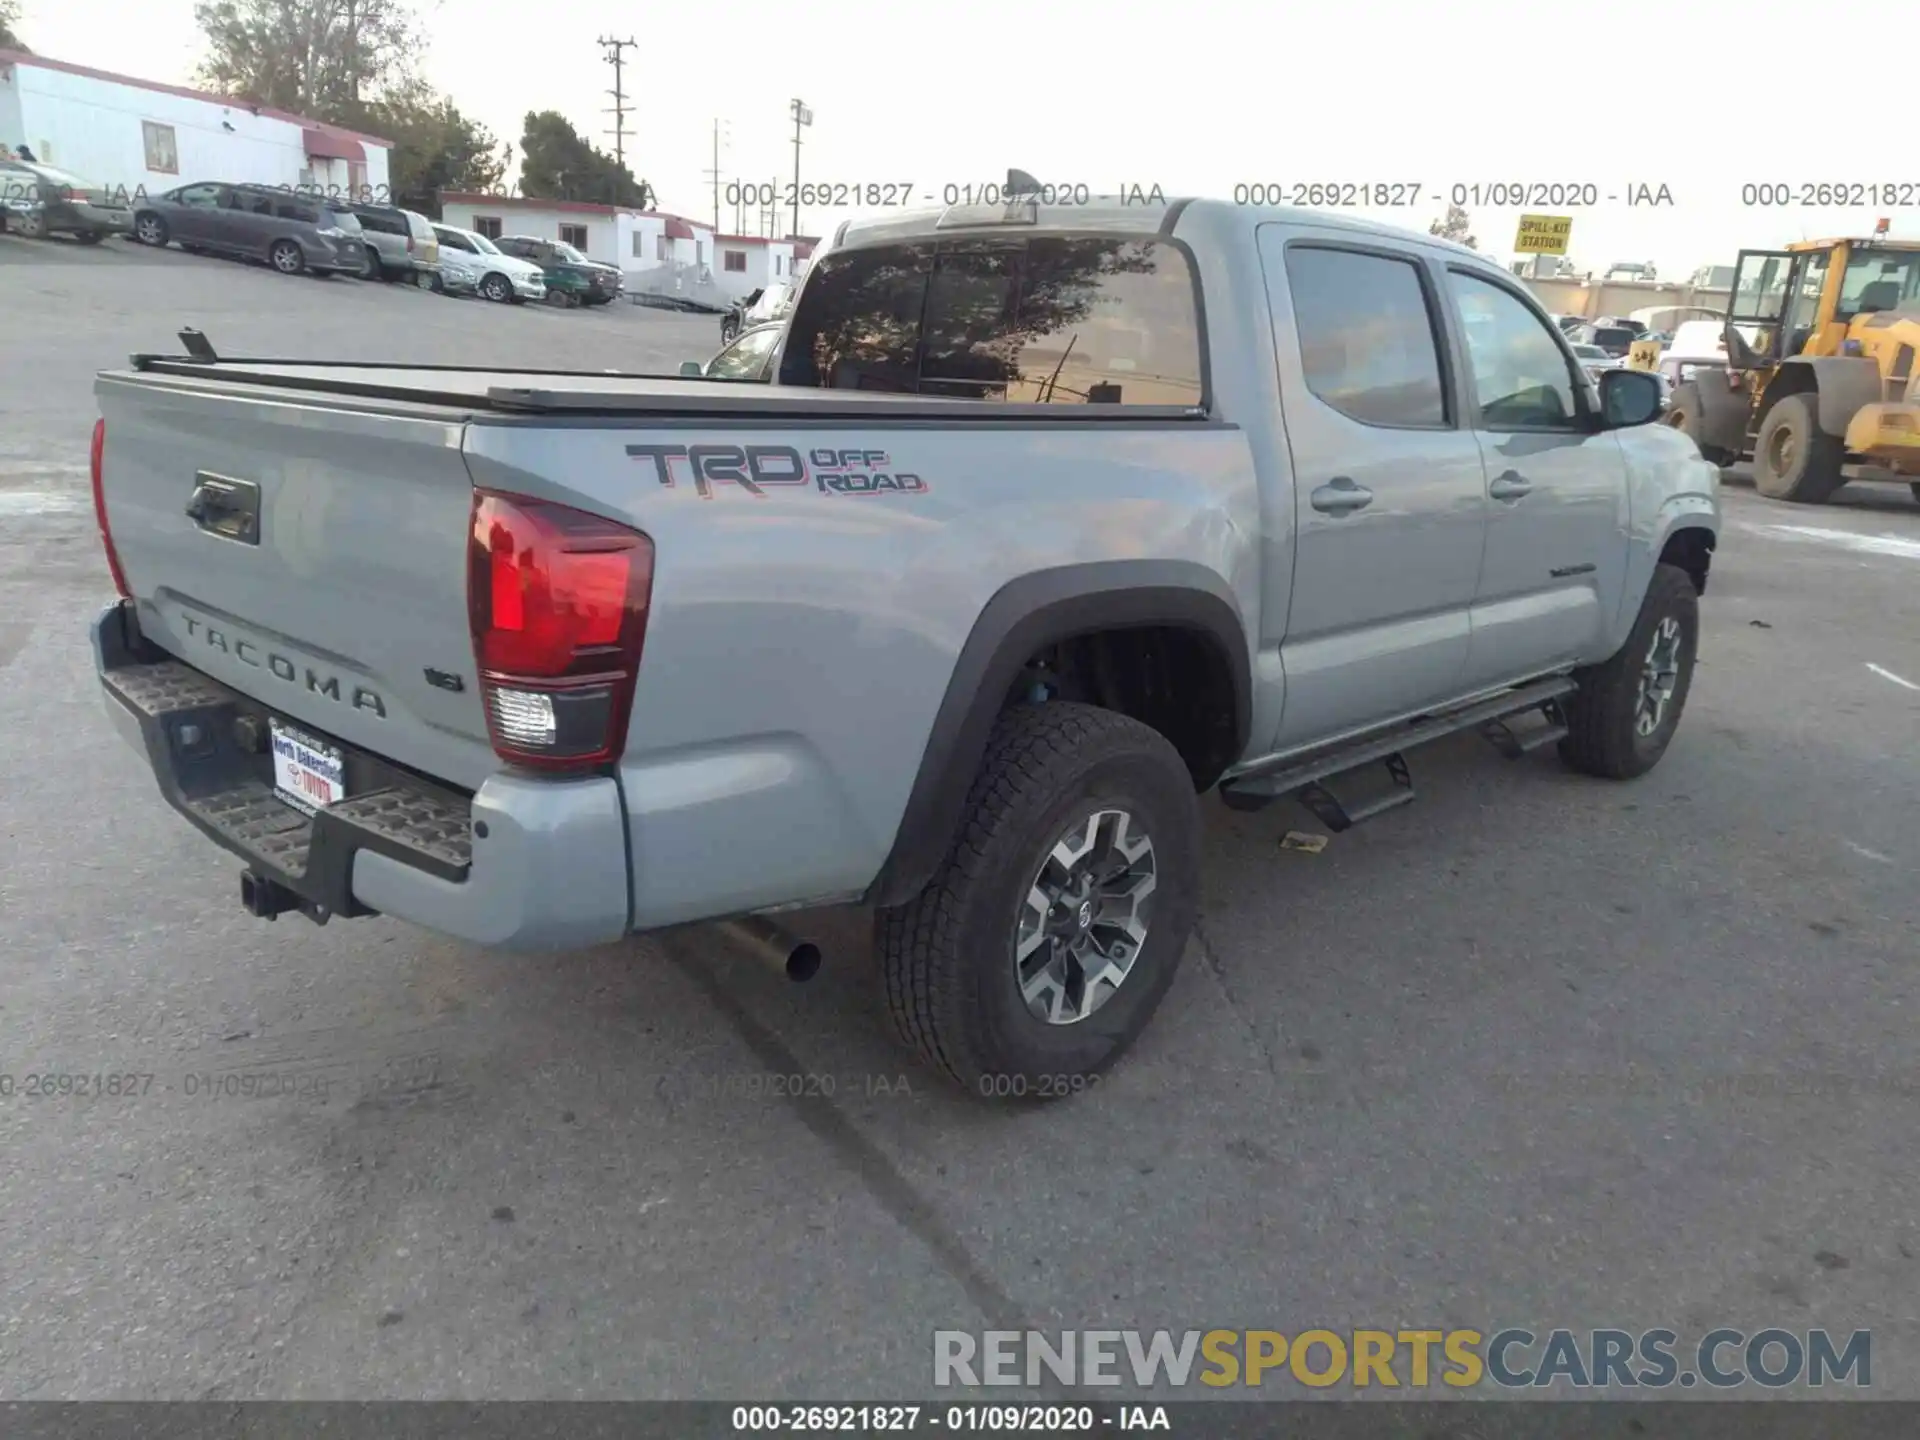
<point>315,57</point>
<point>435,148</point>
<point>557,164</point>
<point>1455,227</point>
<point>10,17</point>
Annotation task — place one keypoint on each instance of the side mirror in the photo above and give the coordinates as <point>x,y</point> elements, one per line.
<point>1629,397</point>
<point>691,368</point>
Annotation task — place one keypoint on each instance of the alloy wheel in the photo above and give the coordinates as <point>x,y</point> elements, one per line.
<point>1085,917</point>
<point>1659,677</point>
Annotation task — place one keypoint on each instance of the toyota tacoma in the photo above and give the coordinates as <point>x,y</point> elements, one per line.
<point>1053,520</point>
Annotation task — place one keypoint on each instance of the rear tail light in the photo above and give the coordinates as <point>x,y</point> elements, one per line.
<point>558,601</point>
<point>96,461</point>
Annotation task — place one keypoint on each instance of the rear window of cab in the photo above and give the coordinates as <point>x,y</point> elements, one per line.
<point>1027,320</point>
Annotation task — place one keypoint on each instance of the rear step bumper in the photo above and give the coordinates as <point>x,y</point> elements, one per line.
<point>525,863</point>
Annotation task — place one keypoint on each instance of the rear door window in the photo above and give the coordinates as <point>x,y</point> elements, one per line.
<point>1368,343</point>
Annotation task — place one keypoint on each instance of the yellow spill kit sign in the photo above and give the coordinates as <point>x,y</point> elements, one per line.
<point>1543,235</point>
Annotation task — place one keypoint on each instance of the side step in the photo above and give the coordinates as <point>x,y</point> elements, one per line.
<point>1306,779</point>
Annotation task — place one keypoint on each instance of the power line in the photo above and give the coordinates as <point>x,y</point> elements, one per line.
<point>616,56</point>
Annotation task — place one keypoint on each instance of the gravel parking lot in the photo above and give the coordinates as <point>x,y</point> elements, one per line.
<point>1537,1050</point>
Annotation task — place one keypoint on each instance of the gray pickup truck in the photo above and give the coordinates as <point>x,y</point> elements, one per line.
<point>1054,520</point>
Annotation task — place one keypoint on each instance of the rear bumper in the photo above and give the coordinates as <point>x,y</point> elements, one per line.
<point>524,863</point>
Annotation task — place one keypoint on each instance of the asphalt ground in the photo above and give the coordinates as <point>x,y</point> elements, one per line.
<point>1537,1050</point>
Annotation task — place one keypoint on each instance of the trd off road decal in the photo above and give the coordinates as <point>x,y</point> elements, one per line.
<point>757,469</point>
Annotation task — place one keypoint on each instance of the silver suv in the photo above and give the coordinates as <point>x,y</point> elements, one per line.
<point>400,244</point>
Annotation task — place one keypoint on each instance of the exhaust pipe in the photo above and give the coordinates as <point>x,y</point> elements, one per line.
<point>798,960</point>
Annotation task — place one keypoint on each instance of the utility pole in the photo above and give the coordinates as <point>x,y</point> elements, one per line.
<point>801,116</point>
<point>616,54</point>
<point>718,130</point>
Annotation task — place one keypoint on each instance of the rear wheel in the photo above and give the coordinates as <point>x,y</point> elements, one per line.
<point>1622,718</point>
<point>1047,938</point>
<point>1683,414</point>
<point>497,288</point>
<point>287,257</point>
<point>150,230</point>
<point>1794,460</point>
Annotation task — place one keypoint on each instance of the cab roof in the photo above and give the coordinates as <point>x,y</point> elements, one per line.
<point>1111,215</point>
<point>1864,242</point>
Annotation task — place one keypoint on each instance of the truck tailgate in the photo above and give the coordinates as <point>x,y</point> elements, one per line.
<point>342,603</point>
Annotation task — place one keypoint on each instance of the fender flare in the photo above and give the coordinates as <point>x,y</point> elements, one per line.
<point>1024,616</point>
<point>1841,384</point>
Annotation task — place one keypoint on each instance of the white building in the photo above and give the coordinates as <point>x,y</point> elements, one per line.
<point>657,252</point>
<point>129,135</point>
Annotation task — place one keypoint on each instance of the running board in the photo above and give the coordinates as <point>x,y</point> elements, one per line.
<point>1306,779</point>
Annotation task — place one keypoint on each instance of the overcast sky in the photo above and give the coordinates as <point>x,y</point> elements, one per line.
<point>1195,97</point>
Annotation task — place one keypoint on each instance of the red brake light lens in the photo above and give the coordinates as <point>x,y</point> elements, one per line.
<point>558,602</point>
<point>96,462</point>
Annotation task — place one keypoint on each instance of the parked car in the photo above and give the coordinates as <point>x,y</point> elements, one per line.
<point>1593,358</point>
<point>758,307</point>
<point>291,231</point>
<point>572,279</point>
<point>470,261</point>
<point>748,356</point>
<point>400,244</point>
<point>38,200</point>
<point>1625,322</point>
<point>1092,576</point>
<point>1615,340</point>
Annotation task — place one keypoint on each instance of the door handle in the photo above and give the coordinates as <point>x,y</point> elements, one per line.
<point>1510,486</point>
<point>1340,496</point>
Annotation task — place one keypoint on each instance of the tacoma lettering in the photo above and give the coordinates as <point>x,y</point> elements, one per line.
<point>281,668</point>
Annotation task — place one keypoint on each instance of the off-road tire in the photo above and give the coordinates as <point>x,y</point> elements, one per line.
<point>1601,738</point>
<point>1683,414</point>
<point>1812,472</point>
<point>946,956</point>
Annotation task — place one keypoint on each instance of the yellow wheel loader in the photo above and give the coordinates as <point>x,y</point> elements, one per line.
<point>1820,372</point>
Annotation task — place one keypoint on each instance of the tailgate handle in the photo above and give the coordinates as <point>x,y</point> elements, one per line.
<point>223,506</point>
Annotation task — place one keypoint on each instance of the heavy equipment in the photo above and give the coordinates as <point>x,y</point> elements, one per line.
<point>1820,342</point>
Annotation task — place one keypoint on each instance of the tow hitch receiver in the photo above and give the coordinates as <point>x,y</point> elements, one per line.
<point>269,899</point>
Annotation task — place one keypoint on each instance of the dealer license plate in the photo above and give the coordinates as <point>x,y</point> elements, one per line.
<point>307,773</point>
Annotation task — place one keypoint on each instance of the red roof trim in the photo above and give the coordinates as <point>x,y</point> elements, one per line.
<point>20,57</point>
